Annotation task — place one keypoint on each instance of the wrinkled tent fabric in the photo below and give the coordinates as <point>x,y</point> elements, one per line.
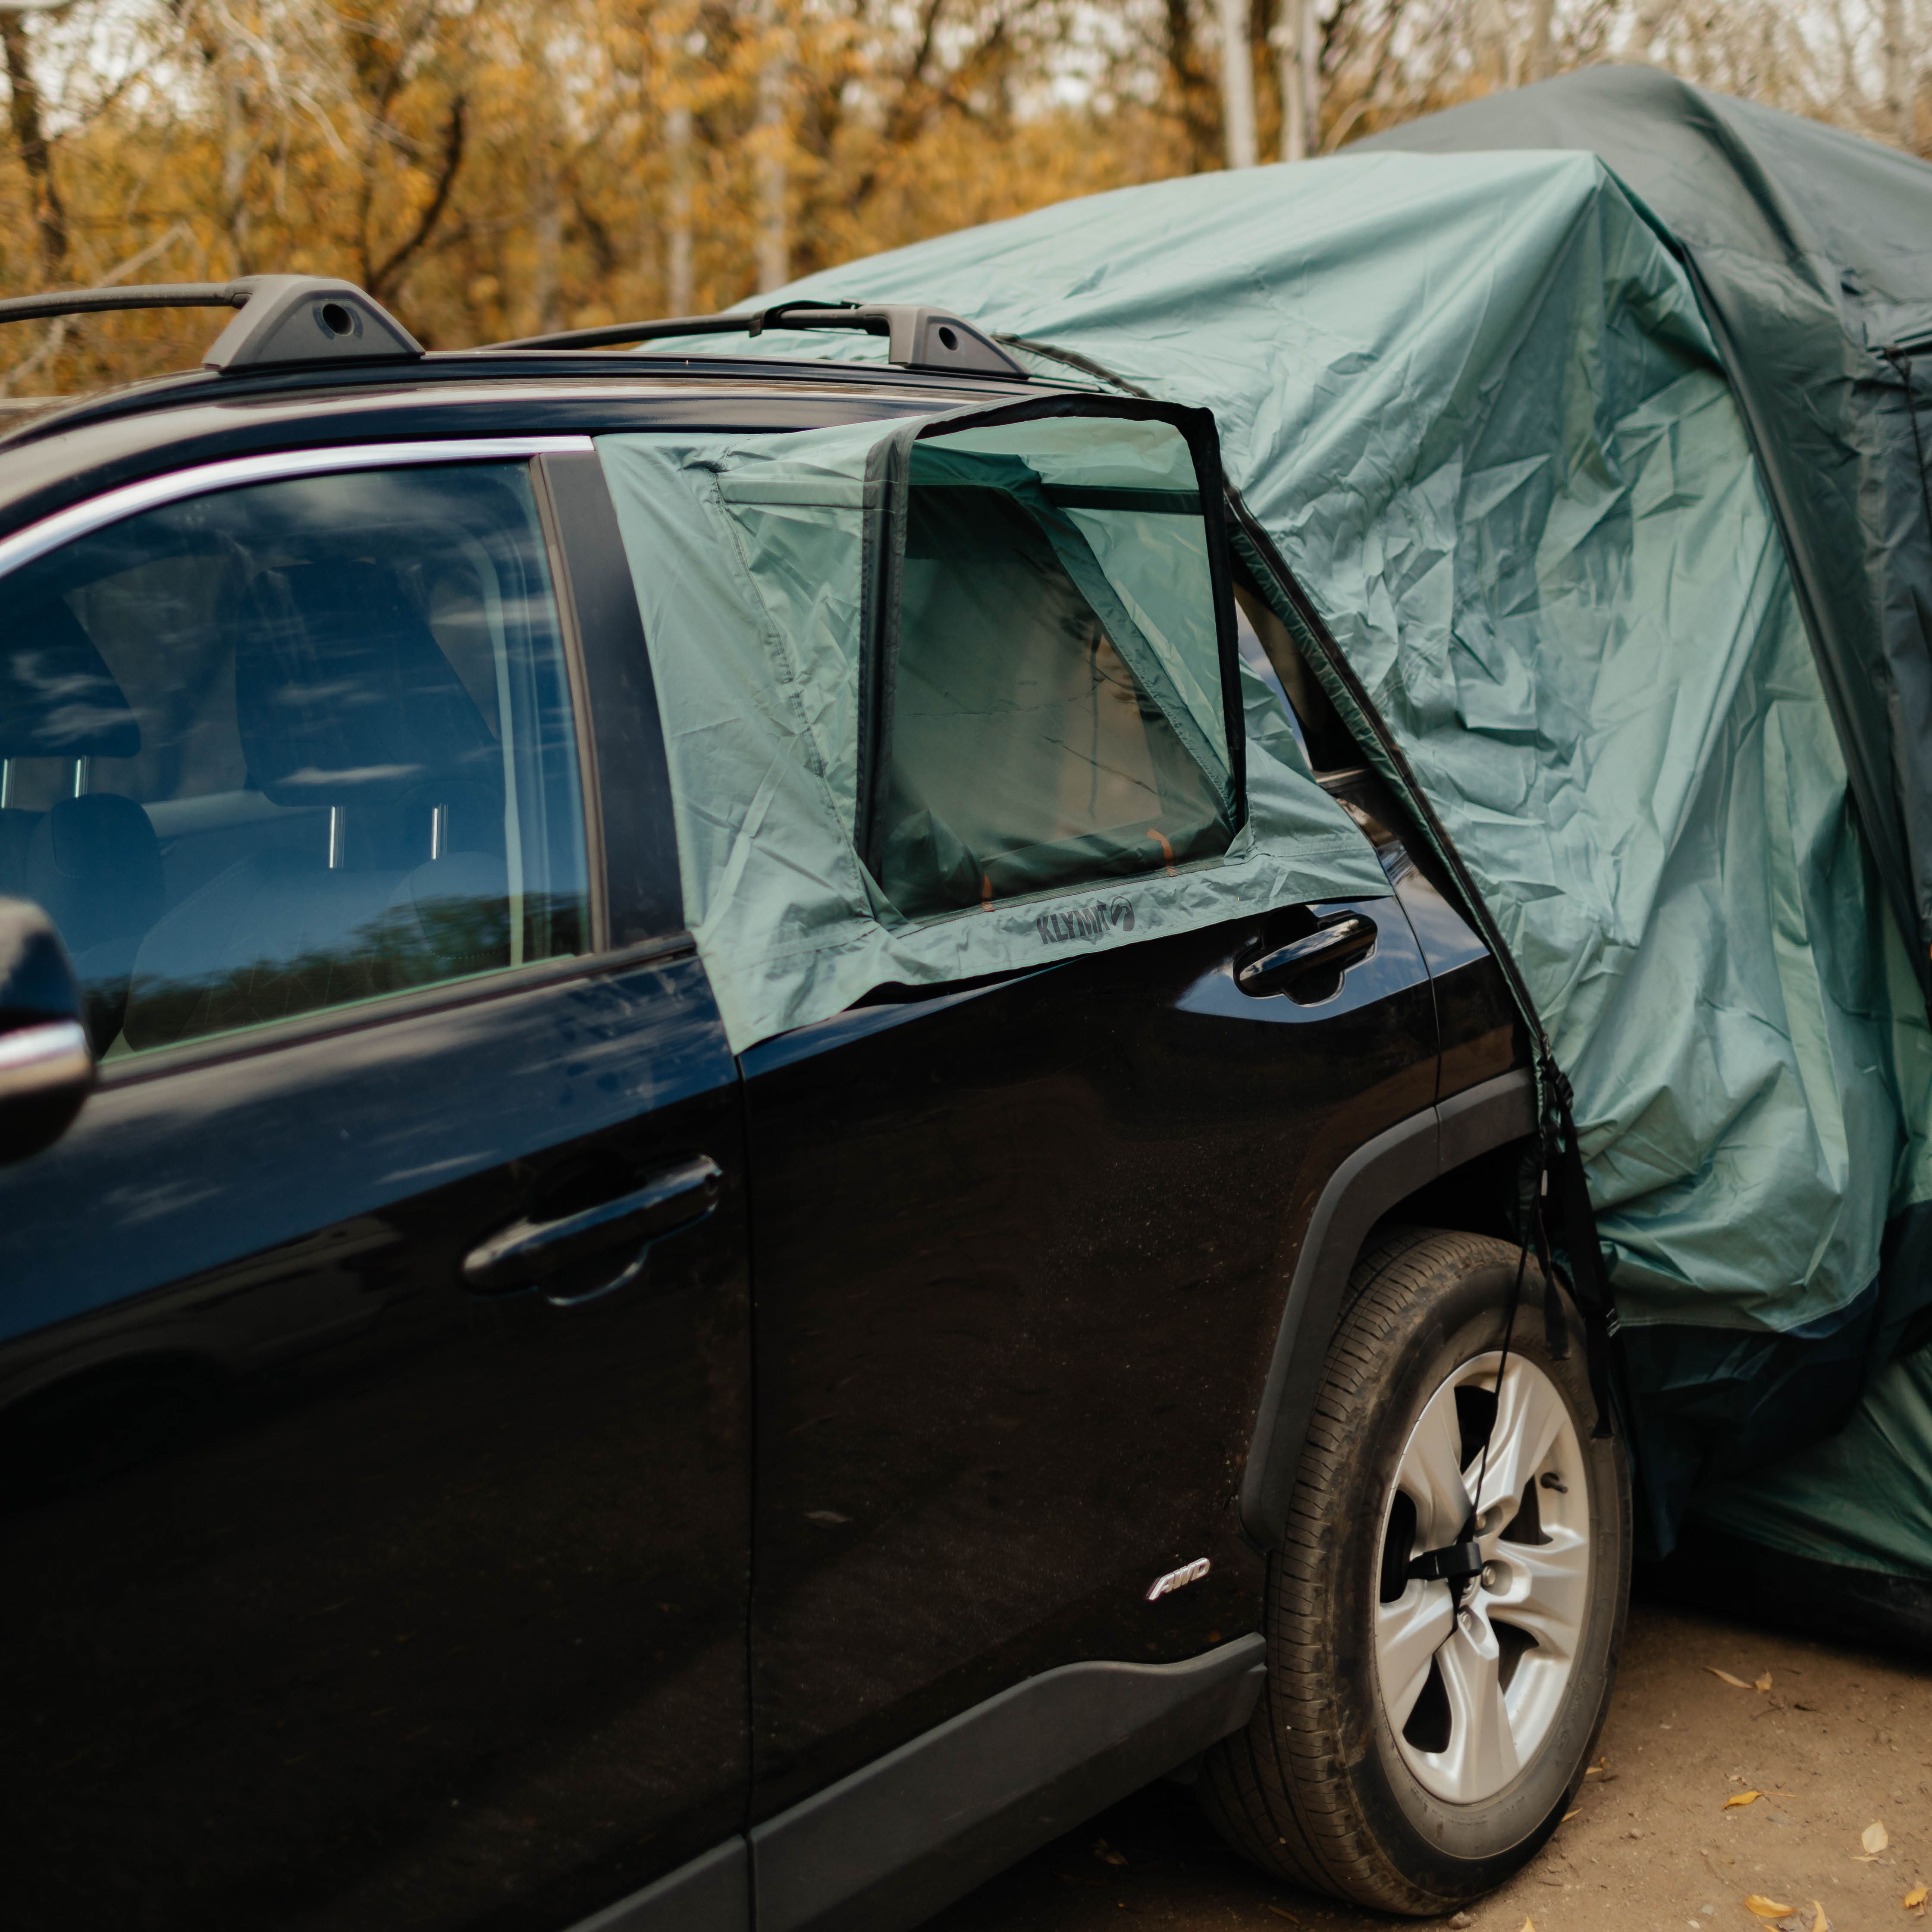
<point>749,553</point>
<point>1811,251</point>
<point>1473,402</point>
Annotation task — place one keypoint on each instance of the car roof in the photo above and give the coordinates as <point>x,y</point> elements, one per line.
<point>65,454</point>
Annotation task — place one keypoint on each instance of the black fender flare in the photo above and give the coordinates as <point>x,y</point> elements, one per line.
<point>1361,1190</point>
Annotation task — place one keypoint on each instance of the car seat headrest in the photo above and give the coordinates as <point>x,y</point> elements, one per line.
<point>94,863</point>
<point>58,699</point>
<point>342,693</point>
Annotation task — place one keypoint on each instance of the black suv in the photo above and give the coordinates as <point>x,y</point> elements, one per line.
<point>477,1452</point>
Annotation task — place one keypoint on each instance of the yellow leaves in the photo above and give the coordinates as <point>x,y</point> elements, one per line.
<point>1529,1925</point>
<point>1914,1899</point>
<point>1742,1798</point>
<point>1760,1683</point>
<point>1874,1838</point>
<point>1106,1854</point>
<point>1819,1923</point>
<point>1763,1682</point>
<point>1766,1908</point>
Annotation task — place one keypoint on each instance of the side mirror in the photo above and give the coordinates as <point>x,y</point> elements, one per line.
<point>47,1066</point>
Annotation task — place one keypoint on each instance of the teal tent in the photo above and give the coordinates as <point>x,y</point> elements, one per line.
<point>1508,479</point>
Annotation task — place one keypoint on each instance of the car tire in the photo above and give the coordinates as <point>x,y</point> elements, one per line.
<point>1350,1779</point>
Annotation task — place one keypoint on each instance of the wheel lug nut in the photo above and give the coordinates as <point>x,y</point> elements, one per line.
<point>1492,1575</point>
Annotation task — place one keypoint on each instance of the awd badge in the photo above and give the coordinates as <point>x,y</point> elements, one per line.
<point>1178,1580</point>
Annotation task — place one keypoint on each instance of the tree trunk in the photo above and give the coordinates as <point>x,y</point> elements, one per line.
<point>1193,88</point>
<point>235,155</point>
<point>1288,79</point>
<point>547,250</point>
<point>1541,61</point>
<point>1898,88</point>
<point>774,227</point>
<point>24,101</point>
<point>1238,85</point>
<point>680,287</point>
<point>1308,63</point>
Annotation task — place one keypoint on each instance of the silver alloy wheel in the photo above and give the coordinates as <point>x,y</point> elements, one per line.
<point>1471,1690</point>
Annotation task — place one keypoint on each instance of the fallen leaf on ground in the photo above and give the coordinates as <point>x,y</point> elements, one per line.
<point>1106,1854</point>
<point>1279,1913</point>
<point>1568,1816</point>
<point>1916,1896</point>
<point>1765,1908</point>
<point>1764,1682</point>
<point>1742,1798</point>
<point>1875,1837</point>
<point>1738,1681</point>
<point>1529,1925</point>
<point>1819,1923</point>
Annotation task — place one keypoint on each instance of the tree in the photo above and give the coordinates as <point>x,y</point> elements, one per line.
<point>495,167</point>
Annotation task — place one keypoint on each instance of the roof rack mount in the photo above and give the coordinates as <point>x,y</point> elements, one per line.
<point>916,337</point>
<point>285,320</point>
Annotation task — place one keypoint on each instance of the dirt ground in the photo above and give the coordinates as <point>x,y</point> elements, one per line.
<point>1840,1741</point>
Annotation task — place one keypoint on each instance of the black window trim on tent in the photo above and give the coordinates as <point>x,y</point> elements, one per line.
<point>889,482</point>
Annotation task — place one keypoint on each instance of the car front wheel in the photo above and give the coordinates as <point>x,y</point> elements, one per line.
<point>1440,1660</point>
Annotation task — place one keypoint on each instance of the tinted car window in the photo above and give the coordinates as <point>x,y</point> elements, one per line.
<point>1029,747</point>
<point>291,746</point>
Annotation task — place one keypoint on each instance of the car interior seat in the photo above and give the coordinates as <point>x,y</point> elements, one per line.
<point>92,861</point>
<point>344,701</point>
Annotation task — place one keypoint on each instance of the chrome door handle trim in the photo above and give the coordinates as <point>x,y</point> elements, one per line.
<point>529,1252</point>
<point>1341,943</point>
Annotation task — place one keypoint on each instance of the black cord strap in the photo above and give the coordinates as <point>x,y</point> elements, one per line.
<point>1589,1281</point>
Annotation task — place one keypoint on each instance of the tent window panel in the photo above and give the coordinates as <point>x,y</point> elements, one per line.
<point>1025,754</point>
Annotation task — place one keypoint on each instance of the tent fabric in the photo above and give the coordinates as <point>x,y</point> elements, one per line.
<point>1473,403</point>
<point>753,562</point>
<point>1811,250</point>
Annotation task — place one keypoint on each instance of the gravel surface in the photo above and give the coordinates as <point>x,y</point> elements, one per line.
<point>1840,1741</point>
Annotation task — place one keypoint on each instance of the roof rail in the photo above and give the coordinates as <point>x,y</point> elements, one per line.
<point>285,320</point>
<point>917,338</point>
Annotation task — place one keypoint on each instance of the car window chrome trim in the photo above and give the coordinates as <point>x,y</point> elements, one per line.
<point>409,1002</point>
<point>129,500</point>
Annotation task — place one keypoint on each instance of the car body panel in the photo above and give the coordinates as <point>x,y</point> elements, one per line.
<point>357,1598</point>
<point>353,1590</point>
<point>1018,1254</point>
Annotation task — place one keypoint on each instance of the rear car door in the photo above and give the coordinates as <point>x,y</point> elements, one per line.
<point>1021,1242</point>
<point>374,1352</point>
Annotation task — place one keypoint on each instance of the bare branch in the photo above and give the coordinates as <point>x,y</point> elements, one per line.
<point>378,280</point>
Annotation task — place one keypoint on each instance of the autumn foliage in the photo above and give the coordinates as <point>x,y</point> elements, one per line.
<point>492,168</point>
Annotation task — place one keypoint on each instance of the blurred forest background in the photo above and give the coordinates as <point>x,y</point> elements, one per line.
<point>491,168</point>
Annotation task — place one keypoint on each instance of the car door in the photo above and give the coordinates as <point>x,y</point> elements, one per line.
<point>1021,1242</point>
<point>374,1435</point>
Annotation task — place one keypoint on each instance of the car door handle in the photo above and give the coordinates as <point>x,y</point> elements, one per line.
<point>1342,941</point>
<point>529,1253</point>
